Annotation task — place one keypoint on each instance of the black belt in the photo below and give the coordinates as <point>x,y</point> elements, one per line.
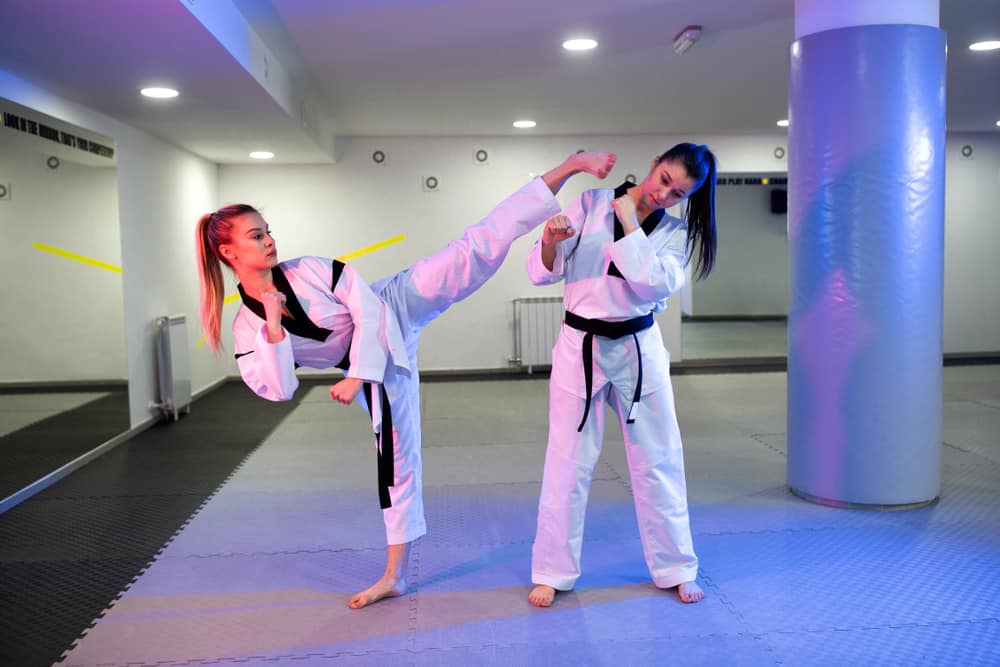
<point>383,453</point>
<point>613,330</point>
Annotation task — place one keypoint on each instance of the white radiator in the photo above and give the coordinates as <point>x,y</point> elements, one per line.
<point>536,326</point>
<point>172,366</point>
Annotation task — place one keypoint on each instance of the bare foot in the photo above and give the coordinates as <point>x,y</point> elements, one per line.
<point>593,162</point>
<point>542,595</point>
<point>386,587</point>
<point>690,592</point>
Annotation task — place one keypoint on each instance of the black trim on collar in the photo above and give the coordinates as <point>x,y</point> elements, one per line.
<point>299,323</point>
<point>623,188</point>
<point>338,268</point>
<point>648,225</point>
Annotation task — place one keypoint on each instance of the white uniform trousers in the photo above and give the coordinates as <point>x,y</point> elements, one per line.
<point>656,468</point>
<point>418,295</point>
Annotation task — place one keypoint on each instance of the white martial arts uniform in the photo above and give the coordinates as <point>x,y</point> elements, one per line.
<point>613,281</point>
<point>333,310</point>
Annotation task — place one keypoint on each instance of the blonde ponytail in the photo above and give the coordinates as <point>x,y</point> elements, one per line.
<point>211,279</point>
<point>213,230</point>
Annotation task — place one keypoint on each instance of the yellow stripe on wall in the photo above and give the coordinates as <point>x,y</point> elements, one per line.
<point>79,258</point>
<point>372,248</point>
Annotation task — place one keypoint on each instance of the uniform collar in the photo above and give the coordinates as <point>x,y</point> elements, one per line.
<point>299,323</point>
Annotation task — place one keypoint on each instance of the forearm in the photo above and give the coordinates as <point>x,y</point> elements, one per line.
<point>629,224</point>
<point>555,177</point>
<point>548,255</point>
<point>275,333</point>
<point>598,164</point>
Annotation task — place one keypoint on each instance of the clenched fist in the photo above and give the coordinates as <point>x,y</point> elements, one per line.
<point>345,390</point>
<point>557,229</point>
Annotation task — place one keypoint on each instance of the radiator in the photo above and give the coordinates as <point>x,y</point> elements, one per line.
<point>536,327</point>
<point>172,366</point>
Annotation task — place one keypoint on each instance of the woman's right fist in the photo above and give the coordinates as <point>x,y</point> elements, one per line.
<point>557,228</point>
<point>273,301</point>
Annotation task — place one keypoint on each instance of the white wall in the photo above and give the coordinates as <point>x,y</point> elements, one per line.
<point>332,210</point>
<point>972,242</point>
<point>162,190</point>
<point>66,318</point>
<point>751,270</point>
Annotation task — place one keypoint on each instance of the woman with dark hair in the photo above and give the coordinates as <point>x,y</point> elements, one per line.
<point>319,313</point>
<point>621,255</point>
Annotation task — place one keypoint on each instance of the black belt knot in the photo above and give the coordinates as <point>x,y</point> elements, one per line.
<point>614,331</point>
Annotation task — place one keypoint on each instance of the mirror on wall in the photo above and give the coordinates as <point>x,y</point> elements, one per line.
<point>63,382</point>
<point>740,311</point>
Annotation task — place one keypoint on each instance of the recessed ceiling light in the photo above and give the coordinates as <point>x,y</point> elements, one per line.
<point>783,122</point>
<point>524,124</point>
<point>998,123</point>
<point>580,44</point>
<point>262,155</point>
<point>991,45</point>
<point>159,93</point>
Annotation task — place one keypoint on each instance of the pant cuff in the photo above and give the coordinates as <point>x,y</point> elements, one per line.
<point>670,577</point>
<point>405,535</point>
<point>556,582</point>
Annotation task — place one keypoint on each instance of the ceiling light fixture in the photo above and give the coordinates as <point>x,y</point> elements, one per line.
<point>262,155</point>
<point>159,93</point>
<point>991,45</point>
<point>580,44</point>
<point>783,122</point>
<point>524,124</point>
<point>686,38</point>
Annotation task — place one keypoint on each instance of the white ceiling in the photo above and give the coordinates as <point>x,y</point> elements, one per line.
<point>447,67</point>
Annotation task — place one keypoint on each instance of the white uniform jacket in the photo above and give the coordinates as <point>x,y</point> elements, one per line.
<point>611,276</point>
<point>333,313</point>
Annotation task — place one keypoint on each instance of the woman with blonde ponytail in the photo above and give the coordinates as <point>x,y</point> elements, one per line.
<point>626,256</point>
<point>210,269</point>
<point>319,313</point>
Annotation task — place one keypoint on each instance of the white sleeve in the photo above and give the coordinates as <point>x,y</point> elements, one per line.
<point>537,273</point>
<point>369,354</point>
<point>267,368</point>
<point>652,275</point>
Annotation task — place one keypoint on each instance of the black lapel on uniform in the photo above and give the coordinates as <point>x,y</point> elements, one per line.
<point>648,225</point>
<point>299,323</point>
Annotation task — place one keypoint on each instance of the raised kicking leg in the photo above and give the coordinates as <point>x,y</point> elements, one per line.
<point>436,282</point>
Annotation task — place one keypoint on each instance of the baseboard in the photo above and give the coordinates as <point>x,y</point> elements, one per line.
<point>729,365</point>
<point>734,318</point>
<point>67,386</point>
<point>212,386</point>
<point>971,358</point>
